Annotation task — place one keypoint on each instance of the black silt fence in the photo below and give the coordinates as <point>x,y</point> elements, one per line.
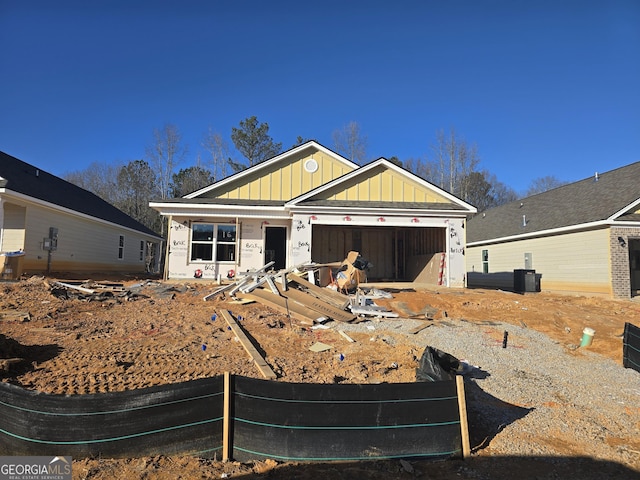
<point>631,347</point>
<point>169,419</point>
<point>240,418</point>
<point>311,422</point>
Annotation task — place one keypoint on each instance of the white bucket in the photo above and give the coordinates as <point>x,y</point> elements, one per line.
<point>587,337</point>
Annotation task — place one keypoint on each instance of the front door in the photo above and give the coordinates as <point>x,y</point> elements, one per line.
<point>275,247</point>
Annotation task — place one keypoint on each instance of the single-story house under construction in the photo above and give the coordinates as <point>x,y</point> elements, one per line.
<point>51,225</point>
<point>582,237</point>
<point>310,204</point>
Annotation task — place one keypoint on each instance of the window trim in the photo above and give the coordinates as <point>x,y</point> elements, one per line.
<point>214,242</point>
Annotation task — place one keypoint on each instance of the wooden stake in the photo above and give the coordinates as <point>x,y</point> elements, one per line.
<point>464,426</point>
<point>226,420</point>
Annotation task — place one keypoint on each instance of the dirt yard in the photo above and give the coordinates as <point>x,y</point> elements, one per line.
<point>162,333</point>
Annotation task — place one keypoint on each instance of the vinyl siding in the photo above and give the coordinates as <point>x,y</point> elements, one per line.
<point>83,244</point>
<point>571,262</point>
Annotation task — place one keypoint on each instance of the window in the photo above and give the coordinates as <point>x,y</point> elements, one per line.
<point>121,247</point>
<point>485,261</point>
<point>141,250</point>
<point>207,238</point>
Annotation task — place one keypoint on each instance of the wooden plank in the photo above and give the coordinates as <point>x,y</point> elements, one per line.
<point>75,287</point>
<point>419,328</point>
<point>226,425</point>
<point>5,364</point>
<point>252,286</point>
<point>280,304</point>
<point>464,425</point>
<point>15,315</point>
<point>347,337</point>
<point>260,362</point>
<point>318,305</point>
<point>374,312</point>
<point>334,297</point>
<point>218,291</point>
<point>272,285</point>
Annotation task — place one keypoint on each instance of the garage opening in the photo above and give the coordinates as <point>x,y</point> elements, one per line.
<point>397,253</point>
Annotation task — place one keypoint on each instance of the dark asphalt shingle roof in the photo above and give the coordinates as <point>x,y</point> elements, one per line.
<point>21,177</point>
<point>578,203</point>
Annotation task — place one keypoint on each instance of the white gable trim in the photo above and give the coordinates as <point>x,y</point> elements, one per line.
<point>625,210</point>
<point>267,163</point>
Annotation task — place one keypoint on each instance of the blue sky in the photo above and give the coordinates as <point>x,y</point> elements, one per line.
<point>543,88</point>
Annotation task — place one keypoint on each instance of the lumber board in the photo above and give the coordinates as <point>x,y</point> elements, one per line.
<point>15,314</point>
<point>75,287</point>
<point>318,305</point>
<point>464,425</point>
<point>218,291</point>
<point>334,297</point>
<point>347,337</point>
<point>420,327</point>
<point>226,424</point>
<point>374,312</point>
<point>280,304</point>
<point>260,362</point>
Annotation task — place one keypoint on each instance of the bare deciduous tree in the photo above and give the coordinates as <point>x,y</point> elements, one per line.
<point>218,150</point>
<point>351,143</point>
<point>542,184</point>
<point>98,178</point>
<point>164,155</point>
<point>136,184</point>
<point>453,163</point>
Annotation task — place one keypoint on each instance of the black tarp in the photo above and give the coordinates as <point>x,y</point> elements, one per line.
<point>631,347</point>
<point>436,365</point>
<point>177,418</point>
<point>306,422</point>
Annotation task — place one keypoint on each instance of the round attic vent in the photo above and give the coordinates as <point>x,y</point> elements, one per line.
<point>311,165</point>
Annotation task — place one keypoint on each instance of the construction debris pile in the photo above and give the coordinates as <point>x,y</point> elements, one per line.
<point>90,291</point>
<point>295,293</point>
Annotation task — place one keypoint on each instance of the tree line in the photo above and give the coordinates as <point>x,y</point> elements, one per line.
<point>452,164</point>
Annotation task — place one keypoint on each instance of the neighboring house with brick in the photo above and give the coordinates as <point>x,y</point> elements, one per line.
<point>55,226</point>
<point>310,204</point>
<point>581,237</point>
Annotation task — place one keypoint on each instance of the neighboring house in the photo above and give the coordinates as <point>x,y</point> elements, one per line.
<point>61,227</point>
<point>309,204</point>
<point>581,237</point>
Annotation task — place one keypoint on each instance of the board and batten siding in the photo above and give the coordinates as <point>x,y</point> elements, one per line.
<point>282,182</point>
<point>84,244</point>
<point>572,262</point>
<point>383,184</point>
